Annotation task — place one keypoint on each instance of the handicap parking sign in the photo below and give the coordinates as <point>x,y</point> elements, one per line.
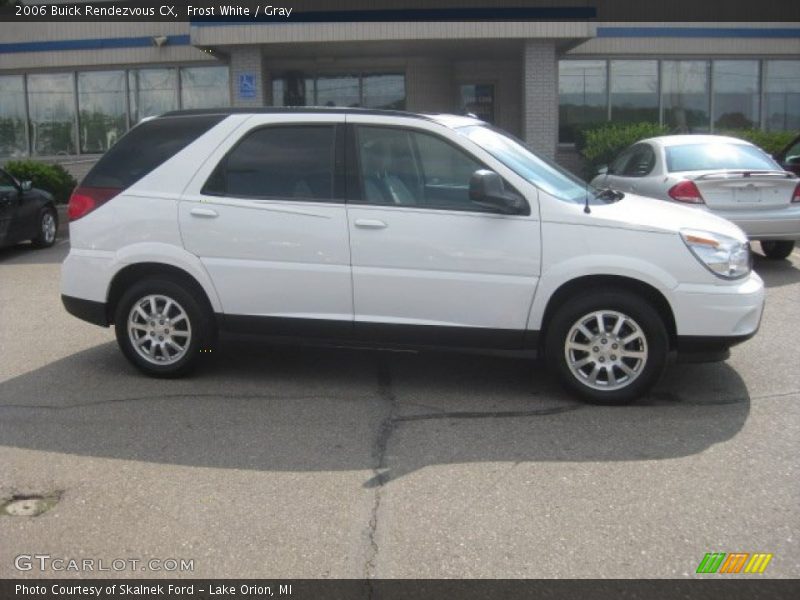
<point>247,85</point>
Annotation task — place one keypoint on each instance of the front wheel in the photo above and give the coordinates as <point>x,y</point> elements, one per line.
<point>777,249</point>
<point>608,346</point>
<point>48,225</point>
<point>162,328</point>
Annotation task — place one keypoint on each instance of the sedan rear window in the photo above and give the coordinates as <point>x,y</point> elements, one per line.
<point>718,156</point>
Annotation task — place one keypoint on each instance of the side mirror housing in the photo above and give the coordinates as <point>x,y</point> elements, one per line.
<point>486,189</point>
<point>602,170</point>
<point>26,186</point>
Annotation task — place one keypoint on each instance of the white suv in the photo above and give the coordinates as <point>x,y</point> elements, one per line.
<point>393,229</point>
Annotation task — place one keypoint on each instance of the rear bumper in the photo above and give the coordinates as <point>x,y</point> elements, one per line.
<point>88,310</point>
<point>777,224</point>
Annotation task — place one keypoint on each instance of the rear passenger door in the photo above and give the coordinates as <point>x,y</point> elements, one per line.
<point>267,218</point>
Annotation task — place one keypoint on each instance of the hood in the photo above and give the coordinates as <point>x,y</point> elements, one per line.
<point>639,212</point>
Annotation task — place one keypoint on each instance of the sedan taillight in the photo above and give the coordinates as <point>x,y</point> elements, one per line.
<point>796,195</point>
<point>85,199</point>
<point>686,191</point>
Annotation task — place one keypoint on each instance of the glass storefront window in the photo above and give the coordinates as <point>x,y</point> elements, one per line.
<point>13,140</point>
<point>782,95</point>
<point>339,90</point>
<point>205,87</point>
<point>736,95</point>
<point>478,100</point>
<point>153,91</point>
<point>634,91</point>
<point>102,111</point>
<point>684,91</point>
<point>379,90</point>
<point>384,91</point>
<point>51,101</point>
<point>582,96</point>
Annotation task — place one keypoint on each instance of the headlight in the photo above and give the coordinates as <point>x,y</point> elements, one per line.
<point>724,256</point>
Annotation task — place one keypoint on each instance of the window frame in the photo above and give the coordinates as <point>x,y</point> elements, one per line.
<point>355,184</point>
<point>337,162</point>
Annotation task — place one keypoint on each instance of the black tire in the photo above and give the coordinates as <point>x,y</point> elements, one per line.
<point>777,249</point>
<point>643,314</point>
<point>45,237</point>
<point>198,314</point>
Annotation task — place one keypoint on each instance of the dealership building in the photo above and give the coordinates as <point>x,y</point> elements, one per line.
<point>68,91</point>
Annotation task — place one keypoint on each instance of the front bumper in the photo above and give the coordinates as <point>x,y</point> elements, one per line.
<point>710,319</point>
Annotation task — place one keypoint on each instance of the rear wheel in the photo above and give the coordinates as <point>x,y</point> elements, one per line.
<point>161,328</point>
<point>48,225</point>
<point>777,249</point>
<point>609,346</point>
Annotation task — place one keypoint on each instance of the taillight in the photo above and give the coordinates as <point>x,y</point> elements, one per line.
<point>686,191</point>
<point>796,195</point>
<point>85,199</point>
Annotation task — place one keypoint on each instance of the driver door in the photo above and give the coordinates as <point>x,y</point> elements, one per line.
<point>429,266</point>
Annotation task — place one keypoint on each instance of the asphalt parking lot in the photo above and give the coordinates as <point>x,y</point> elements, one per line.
<point>300,462</point>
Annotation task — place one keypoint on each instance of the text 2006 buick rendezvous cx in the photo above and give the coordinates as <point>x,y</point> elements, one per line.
<point>393,229</point>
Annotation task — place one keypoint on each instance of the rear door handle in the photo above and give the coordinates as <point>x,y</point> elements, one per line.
<point>370,224</point>
<point>204,212</point>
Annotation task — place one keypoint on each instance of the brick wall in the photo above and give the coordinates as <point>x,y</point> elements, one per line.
<point>540,96</point>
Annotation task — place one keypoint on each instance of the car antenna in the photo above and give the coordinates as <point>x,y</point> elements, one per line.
<point>586,208</point>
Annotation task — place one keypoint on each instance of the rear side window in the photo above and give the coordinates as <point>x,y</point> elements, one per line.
<point>702,157</point>
<point>145,147</point>
<point>641,162</point>
<point>293,162</point>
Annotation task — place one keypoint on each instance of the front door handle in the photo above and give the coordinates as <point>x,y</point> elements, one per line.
<point>370,224</point>
<point>204,212</point>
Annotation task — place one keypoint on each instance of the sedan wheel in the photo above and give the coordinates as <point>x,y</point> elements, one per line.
<point>48,225</point>
<point>777,250</point>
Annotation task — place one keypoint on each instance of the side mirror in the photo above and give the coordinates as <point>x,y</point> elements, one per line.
<point>486,189</point>
<point>26,186</point>
<point>602,170</point>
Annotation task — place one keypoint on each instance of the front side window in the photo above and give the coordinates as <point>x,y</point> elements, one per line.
<point>405,167</point>
<point>279,162</point>
<point>7,184</point>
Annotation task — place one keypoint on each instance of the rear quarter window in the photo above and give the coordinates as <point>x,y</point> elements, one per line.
<point>145,147</point>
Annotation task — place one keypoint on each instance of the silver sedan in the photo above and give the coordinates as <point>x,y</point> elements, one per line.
<point>727,176</point>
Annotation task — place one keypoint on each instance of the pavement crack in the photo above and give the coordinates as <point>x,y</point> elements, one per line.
<point>381,477</point>
<point>499,414</point>
<point>222,396</point>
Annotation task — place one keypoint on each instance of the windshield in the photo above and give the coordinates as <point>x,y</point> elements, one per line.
<point>512,153</point>
<point>710,157</point>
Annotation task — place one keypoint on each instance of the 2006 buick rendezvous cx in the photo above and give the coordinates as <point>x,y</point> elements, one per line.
<point>394,229</point>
